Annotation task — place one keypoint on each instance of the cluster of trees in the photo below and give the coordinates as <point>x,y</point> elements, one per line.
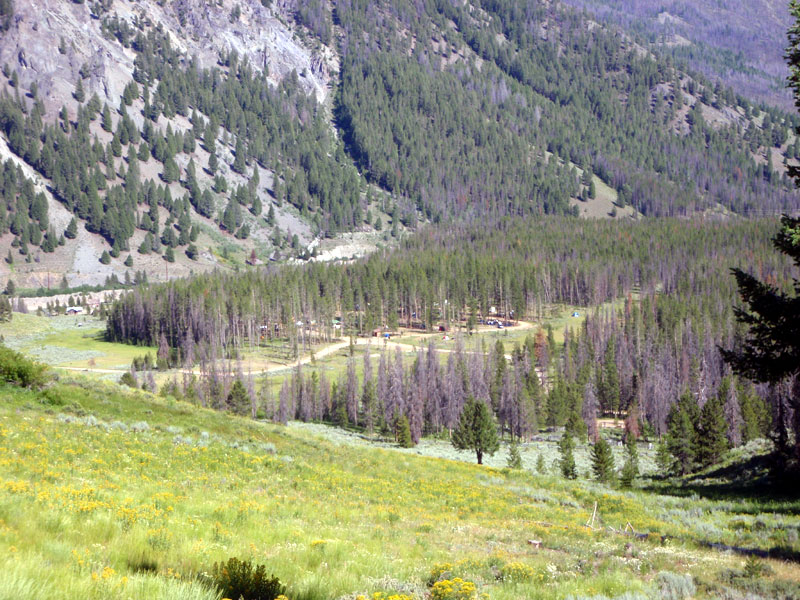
<point>493,116</point>
<point>517,267</point>
<point>736,44</point>
<point>281,129</point>
<point>24,213</point>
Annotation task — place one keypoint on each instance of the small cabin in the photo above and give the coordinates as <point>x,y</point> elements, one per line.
<point>75,310</point>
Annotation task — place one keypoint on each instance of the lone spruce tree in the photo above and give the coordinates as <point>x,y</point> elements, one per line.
<point>771,351</point>
<point>713,431</point>
<point>602,461</point>
<point>630,470</point>
<point>238,398</point>
<point>682,429</point>
<point>403,432</point>
<point>566,447</point>
<point>514,457</point>
<point>476,430</point>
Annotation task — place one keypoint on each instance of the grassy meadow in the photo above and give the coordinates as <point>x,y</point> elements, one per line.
<point>109,493</point>
<point>78,342</point>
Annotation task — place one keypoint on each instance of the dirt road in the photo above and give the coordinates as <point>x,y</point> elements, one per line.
<point>332,348</point>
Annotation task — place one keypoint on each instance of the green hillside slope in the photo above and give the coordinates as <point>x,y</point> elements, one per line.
<point>106,493</point>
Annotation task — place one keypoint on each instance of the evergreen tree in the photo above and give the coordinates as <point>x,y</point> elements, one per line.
<point>756,415</point>
<point>239,399</point>
<point>540,466</point>
<point>610,380</point>
<point>566,448</point>
<point>514,457</point>
<point>5,309</point>
<point>771,351</point>
<point>171,171</point>
<point>403,432</point>
<point>105,258</point>
<point>255,208</point>
<point>713,431</point>
<point>79,94</point>
<point>105,120</point>
<point>147,244</point>
<point>664,459</point>
<point>476,430</point>
<point>239,165</point>
<point>630,470</point>
<point>602,461</point>
<point>682,431</point>
<point>72,229</point>
<point>144,152</point>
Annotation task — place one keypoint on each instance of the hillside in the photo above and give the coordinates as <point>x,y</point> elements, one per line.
<point>124,494</point>
<point>741,43</point>
<point>137,173</point>
<point>192,135</point>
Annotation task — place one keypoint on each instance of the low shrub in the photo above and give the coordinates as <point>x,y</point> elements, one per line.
<point>517,572</point>
<point>754,567</point>
<point>240,580</point>
<point>18,370</point>
<point>454,589</point>
<point>140,427</point>
<point>50,397</point>
<point>674,586</point>
<point>129,380</point>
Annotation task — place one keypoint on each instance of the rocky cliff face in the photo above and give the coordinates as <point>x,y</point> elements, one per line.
<point>50,41</point>
<point>50,45</point>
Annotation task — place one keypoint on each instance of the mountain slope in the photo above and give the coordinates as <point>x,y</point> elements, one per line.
<point>152,170</point>
<point>199,134</point>
<point>499,85</point>
<point>740,42</point>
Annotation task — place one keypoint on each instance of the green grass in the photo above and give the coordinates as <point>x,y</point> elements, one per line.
<point>97,482</point>
<point>68,341</point>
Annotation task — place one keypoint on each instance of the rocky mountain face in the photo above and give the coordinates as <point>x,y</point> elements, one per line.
<point>50,42</point>
<point>50,47</point>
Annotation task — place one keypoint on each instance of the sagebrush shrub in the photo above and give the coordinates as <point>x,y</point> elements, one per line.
<point>673,586</point>
<point>455,589</point>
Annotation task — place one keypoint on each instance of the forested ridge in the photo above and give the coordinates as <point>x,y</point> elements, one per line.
<point>514,265</point>
<point>452,112</point>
